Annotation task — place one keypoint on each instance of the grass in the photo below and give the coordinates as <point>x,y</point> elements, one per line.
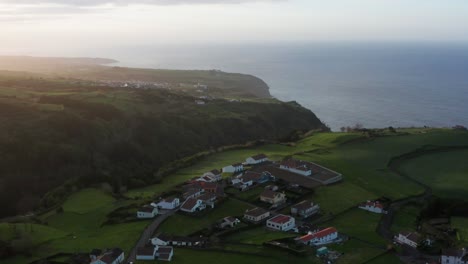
<point>461,224</point>
<point>365,230</point>
<point>37,233</point>
<point>386,259</point>
<point>405,218</point>
<point>446,173</point>
<point>178,224</point>
<point>258,236</point>
<point>79,228</point>
<point>86,201</point>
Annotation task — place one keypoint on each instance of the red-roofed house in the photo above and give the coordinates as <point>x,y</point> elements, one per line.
<point>281,222</point>
<point>257,159</point>
<point>325,236</point>
<point>374,207</point>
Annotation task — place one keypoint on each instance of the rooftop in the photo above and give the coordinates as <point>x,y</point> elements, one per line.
<point>281,219</point>
<point>255,212</point>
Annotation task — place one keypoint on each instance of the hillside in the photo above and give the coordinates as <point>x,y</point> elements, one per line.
<point>61,130</point>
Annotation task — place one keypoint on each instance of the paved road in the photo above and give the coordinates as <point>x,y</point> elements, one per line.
<point>147,233</point>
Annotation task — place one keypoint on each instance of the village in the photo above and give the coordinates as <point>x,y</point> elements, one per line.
<point>278,208</point>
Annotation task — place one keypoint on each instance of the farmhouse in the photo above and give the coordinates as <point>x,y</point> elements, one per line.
<point>256,215</point>
<point>208,199</point>
<point>169,240</point>
<point>168,203</point>
<point>257,159</point>
<point>192,205</point>
<point>375,207</point>
<point>146,253</point>
<point>409,238</point>
<point>192,192</point>
<point>454,256</point>
<point>290,177</point>
<point>305,209</point>
<point>214,175</point>
<point>228,222</point>
<point>281,222</point>
<point>322,237</point>
<point>272,197</point>
<point>238,167</point>
<point>112,256</point>
<point>147,212</point>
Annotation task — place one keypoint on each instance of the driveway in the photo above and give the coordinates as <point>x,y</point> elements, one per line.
<point>148,232</point>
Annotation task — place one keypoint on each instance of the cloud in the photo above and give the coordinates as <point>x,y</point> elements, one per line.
<point>128,2</point>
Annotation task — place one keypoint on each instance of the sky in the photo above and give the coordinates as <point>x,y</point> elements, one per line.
<point>31,25</point>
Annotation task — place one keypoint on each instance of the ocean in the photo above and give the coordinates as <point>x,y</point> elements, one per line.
<point>376,85</point>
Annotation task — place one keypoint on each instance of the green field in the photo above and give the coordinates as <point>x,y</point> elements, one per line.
<point>446,173</point>
<point>461,224</point>
<point>71,232</point>
<point>406,217</point>
<point>362,162</point>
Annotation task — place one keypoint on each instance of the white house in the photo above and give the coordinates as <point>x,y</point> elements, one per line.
<point>296,166</point>
<point>168,203</point>
<point>454,256</point>
<point>257,159</point>
<point>214,175</point>
<point>113,256</point>
<point>256,215</point>
<point>170,240</point>
<point>322,237</point>
<point>238,167</point>
<point>305,209</point>
<point>147,212</point>
<point>193,192</point>
<point>409,238</point>
<point>229,222</point>
<point>374,207</point>
<point>281,222</point>
<point>192,205</point>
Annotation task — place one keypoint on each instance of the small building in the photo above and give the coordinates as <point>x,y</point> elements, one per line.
<point>146,253</point>
<point>323,251</point>
<point>238,167</point>
<point>272,197</point>
<point>228,222</point>
<point>192,192</point>
<point>454,256</point>
<point>256,215</point>
<point>281,222</point>
<point>375,207</point>
<point>305,209</point>
<point>411,239</point>
<point>208,199</point>
<point>322,237</point>
<point>165,253</point>
<point>215,175</point>
<point>147,212</point>
<point>257,159</point>
<point>192,205</point>
<point>168,203</point>
<point>112,256</point>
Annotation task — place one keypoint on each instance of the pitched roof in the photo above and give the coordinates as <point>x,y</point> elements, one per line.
<point>318,235</point>
<point>281,219</point>
<point>216,172</point>
<point>256,212</point>
<point>164,256</point>
<point>230,219</point>
<point>189,204</point>
<point>304,205</point>
<point>192,191</point>
<point>259,157</point>
<point>251,176</point>
<point>145,251</point>
<point>165,250</point>
<point>269,194</point>
<point>146,209</point>
<point>207,197</point>
<point>111,255</point>
<point>375,204</point>
<point>453,252</point>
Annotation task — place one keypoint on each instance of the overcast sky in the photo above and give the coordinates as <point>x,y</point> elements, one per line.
<point>48,24</point>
